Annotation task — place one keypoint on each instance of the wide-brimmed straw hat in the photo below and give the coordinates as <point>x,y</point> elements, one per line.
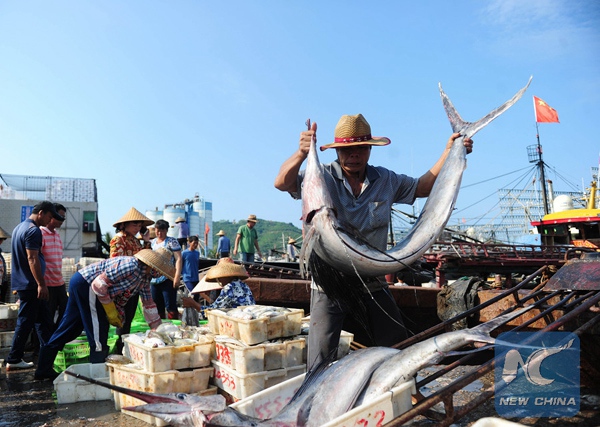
<point>221,233</point>
<point>4,234</point>
<point>226,268</point>
<point>291,241</point>
<point>204,286</point>
<point>354,130</point>
<point>179,219</point>
<point>133,215</point>
<point>252,218</point>
<point>159,259</point>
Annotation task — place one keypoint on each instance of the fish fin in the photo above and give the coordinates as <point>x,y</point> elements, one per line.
<point>345,290</point>
<point>314,373</point>
<point>468,129</point>
<point>308,245</point>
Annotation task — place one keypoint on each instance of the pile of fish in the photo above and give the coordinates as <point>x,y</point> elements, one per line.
<point>250,312</point>
<point>169,334</point>
<point>328,391</point>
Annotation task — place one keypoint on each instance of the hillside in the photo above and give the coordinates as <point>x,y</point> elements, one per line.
<point>271,234</point>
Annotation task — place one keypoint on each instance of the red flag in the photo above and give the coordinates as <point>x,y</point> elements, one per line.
<point>206,228</point>
<point>543,112</point>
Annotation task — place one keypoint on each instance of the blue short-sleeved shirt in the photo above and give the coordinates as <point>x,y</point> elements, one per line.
<point>26,235</point>
<point>369,213</point>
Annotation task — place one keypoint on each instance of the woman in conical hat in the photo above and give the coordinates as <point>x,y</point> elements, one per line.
<point>226,276</point>
<point>98,295</point>
<point>125,243</point>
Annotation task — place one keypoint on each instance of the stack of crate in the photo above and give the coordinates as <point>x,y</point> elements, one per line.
<point>8,322</point>
<point>170,369</point>
<point>252,355</point>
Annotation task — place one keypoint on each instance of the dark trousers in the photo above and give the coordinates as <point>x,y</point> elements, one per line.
<point>57,302</point>
<point>33,313</point>
<point>130,310</point>
<point>84,312</point>
<point>165,297</point>
<point>327,321</point>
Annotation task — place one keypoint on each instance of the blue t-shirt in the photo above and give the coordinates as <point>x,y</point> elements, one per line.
<point>171,244</point>
<point>26,235</point>
<point>191,260</point>
<point>224,244</point>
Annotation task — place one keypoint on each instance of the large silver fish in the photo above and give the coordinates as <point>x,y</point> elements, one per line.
<point>342,250</point>
<point>426,353</point>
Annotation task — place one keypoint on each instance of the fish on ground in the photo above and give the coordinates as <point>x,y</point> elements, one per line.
<point>328,391</point>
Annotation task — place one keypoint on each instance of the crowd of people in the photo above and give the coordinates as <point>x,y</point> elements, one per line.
<point>152,268</point>
<point>144,264</point>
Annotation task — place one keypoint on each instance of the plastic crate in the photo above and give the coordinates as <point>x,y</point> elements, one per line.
<point>194,382</point>
<point>240,386</point>
<point>70,389</point>
<point>260,357</point>
<point>390,405</point>
<point>6,339</point>
<point>170,357</point>
<point>74,352</point>
<point>7,325</point>
<point>9,311</point>
<point>256,331</point>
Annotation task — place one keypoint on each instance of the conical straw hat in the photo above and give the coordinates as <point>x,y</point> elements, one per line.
<point>159,259</point>
<point>4,234</point>
<point>226,268</point>
<point>204,286</point>
<point>134,215</point>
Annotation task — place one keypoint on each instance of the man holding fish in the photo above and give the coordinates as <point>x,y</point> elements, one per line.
<point>362,197</point>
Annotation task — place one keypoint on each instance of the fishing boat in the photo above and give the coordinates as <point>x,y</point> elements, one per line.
<point>568,226</point>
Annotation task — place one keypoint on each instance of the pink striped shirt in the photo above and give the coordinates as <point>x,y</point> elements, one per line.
<point>52,249</point>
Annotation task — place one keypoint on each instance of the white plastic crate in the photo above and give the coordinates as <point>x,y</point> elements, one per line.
<point>6,339</point>
<point>162,359</point>
<point>256,331</point>
<point>240,386</point>
<point>7,325</point>
<point>172,381</point>
<point>9,311</point>
<point>70,389</point>
<point>382,410</point>
<point>259,357</point>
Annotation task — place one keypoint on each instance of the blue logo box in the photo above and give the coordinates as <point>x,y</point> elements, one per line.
<point>537,376</point>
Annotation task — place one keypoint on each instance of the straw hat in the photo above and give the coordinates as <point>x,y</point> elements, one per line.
<point>204,286</point>
<point>252,218</point>
<point>226,268</point>
<point>4,234</point>
<point>133,215</point>
<point>291,241</point>
<point>221,233</point>
<point>179,219</point>
<point>354,130</point>
<point>159,259</point>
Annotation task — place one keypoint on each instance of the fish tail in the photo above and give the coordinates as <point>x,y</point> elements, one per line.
<point>482,332</point>
<point>469,129</point>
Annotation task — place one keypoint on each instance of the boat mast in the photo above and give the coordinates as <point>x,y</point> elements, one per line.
<point>540,165</point>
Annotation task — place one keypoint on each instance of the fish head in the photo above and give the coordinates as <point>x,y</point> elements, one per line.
<point>180,409</point>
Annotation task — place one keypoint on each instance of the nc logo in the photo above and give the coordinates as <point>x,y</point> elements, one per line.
<point>531,368</point>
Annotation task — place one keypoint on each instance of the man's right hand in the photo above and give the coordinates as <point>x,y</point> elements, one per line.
<point>306,138</point>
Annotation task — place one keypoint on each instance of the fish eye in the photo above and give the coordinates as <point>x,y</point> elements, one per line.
<point>180,396</point>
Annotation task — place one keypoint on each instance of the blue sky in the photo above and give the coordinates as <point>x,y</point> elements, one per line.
<point>159,100</point>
